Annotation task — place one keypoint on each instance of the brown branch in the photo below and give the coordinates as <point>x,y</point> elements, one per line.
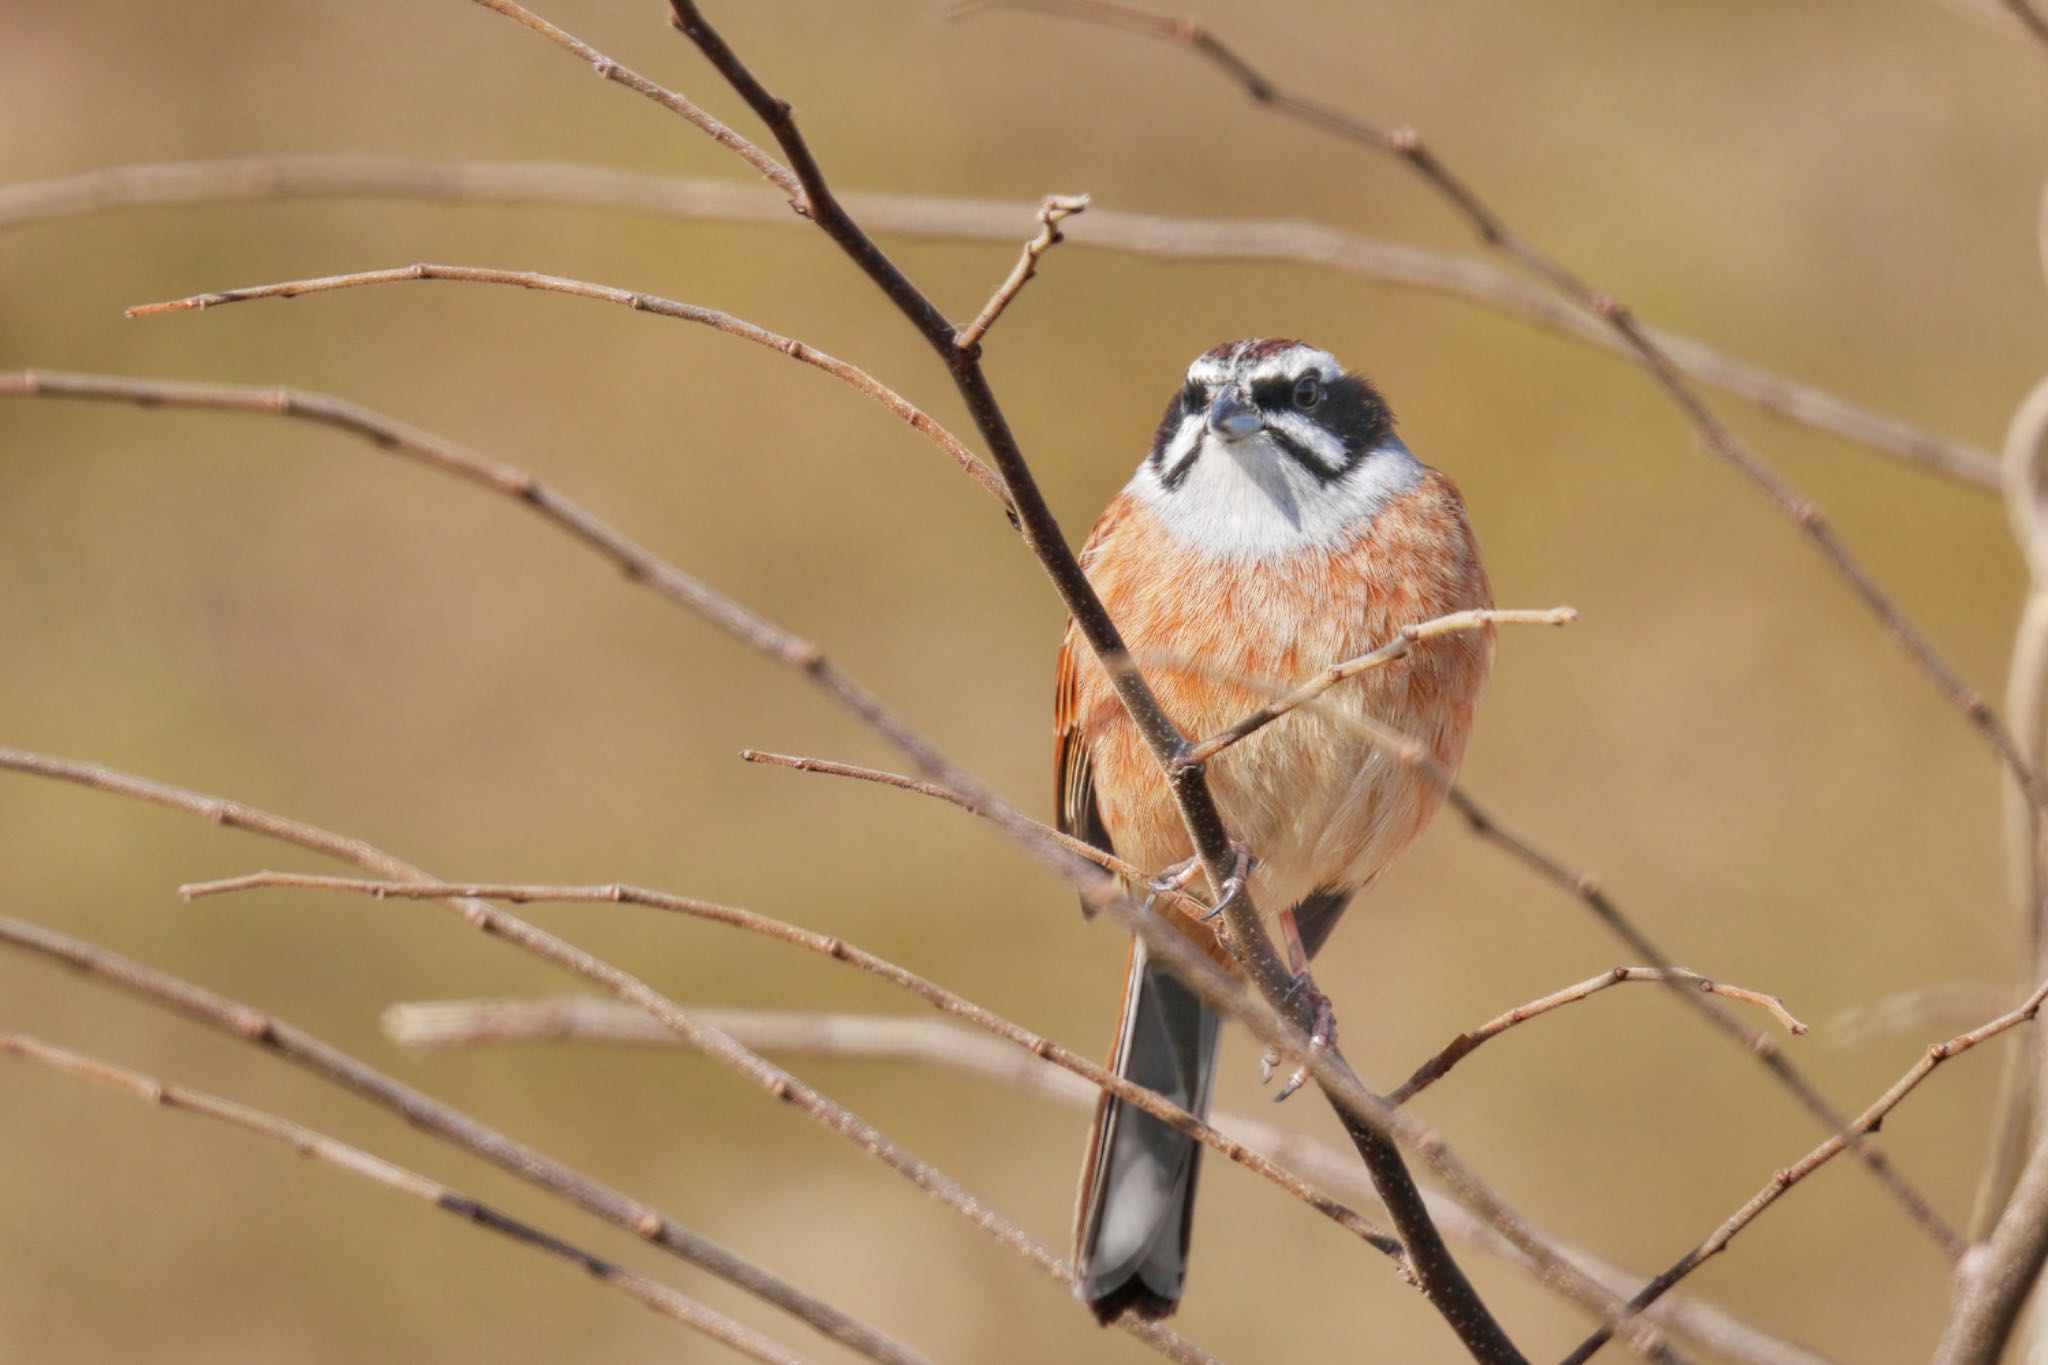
<point>1364,1117</point>
<point>1493,231</point>
<point>1056,209</point>
<point>832,946</point>
<point>1396,648</point>
<point>452,1126</point>
<point>1784,1180</point>
<point>451,1024</point>
<point>1465,1044</point>
<point>779,1084</point>
<point>1454,274</point>
<point>308,1143</point>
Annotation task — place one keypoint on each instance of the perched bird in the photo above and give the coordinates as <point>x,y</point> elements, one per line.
<point>1277,526</point>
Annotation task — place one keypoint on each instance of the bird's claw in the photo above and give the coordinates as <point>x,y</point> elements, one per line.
<point>1322,1033</point>
<point>1233,885</point>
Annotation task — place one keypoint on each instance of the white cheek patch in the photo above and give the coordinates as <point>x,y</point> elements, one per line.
<point>1318,440</point>
<point>1248,500</point>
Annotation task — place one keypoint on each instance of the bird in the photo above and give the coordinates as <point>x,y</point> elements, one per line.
<point>1277,525</point>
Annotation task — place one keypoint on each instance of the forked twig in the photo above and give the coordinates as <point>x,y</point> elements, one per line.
<point>1783,1180</point>
<point>1465,1044</point>
<point>354,1160</point>
<point>1056,209</point>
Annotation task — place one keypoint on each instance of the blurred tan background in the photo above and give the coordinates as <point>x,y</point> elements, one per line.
<point>268,611</point>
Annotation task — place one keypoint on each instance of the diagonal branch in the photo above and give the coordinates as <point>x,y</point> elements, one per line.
<point>1153,236</point>
<point>430,1116</point>
<point>306,1142</point>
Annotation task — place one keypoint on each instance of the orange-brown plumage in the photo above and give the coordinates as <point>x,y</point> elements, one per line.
<point>1278,527</point>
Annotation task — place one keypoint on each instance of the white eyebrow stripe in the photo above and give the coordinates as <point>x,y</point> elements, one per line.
<point>1294,361</point>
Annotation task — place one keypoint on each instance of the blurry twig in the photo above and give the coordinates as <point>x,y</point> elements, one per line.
<point>272,1034</point>
<point>1783,1180</point>
<point>557,952</point>
<point>1494,232</point>
<point>1055,209</point>
<point>2030,19</point>
<point>1927,1009</point>
<point>1401,265</point>
<point>452,1024</point>
<point>840,950</point>
<point>2018,1116</point>
<point>306,1142</point>
<point>1465,1044</point>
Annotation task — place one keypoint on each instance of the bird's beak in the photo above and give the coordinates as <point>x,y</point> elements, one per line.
<point>1231,417</point>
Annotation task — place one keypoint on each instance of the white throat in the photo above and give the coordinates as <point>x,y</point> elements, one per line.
<point>1247,499</point>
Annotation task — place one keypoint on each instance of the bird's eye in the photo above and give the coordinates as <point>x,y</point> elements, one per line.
<point>1194,398</point>
<point>1308,391</point>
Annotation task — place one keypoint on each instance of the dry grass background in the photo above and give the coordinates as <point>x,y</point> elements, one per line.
<point>1847,191</point>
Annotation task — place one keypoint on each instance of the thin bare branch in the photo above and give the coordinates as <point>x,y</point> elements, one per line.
<point>459,1130</point>
<point>354,1160</point>
<point>1493,231</point>
<point>779,1084</point>
<point>771,170</point>
<point>840,950</point>
<point>1784,1180</point>
<point>1401,265</point>
<point>451,1024</point>
<point>1080,848</point>
<point>1463,1046</point>
<point>860,380</point>
<point>1055,209</point>
<point>1396,648</point>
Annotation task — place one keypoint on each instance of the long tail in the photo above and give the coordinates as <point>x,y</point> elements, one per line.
<point>1138,1188</point>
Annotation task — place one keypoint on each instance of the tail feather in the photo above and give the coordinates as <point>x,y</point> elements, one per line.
<point>1138,1188</point>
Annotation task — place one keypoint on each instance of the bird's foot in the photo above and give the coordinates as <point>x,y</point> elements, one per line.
<point>1322,1035</point>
